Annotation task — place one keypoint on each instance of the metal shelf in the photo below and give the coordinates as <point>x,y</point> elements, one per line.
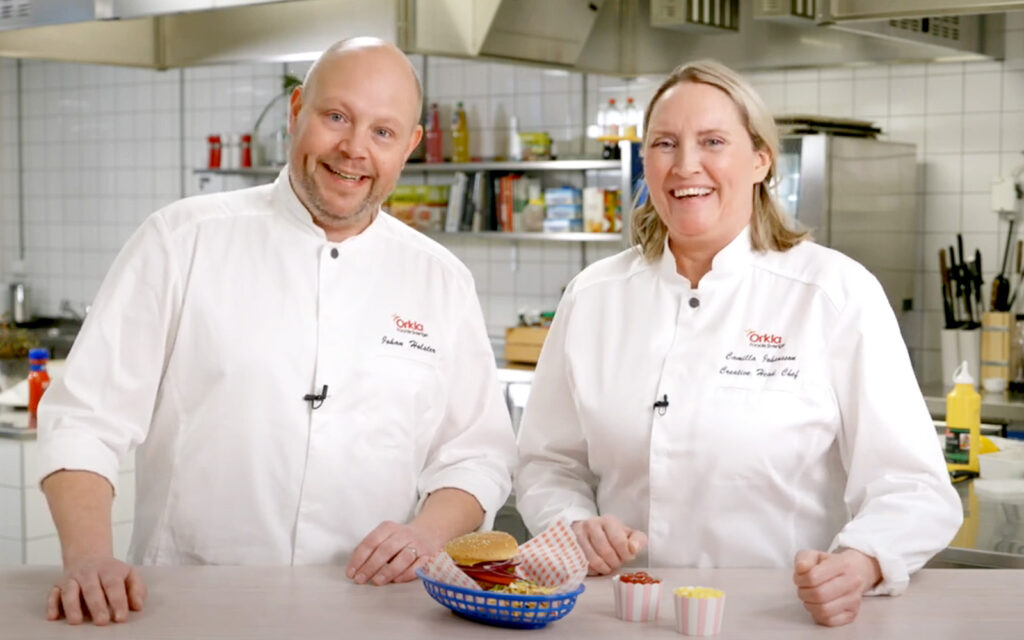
<point>565,236</point>
<point>253,172</point>
<point>584,164</point>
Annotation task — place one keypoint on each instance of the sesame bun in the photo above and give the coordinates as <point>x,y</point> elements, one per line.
<point>483,546</point>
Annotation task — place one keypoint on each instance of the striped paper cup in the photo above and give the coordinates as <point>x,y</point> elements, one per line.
<point>636,602</point>
<point>698,610</point>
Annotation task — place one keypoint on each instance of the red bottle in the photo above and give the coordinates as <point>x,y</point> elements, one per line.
<point>214,159</point>
<point>246,159</point>
<point>435,141</point>
<point>38,381</point>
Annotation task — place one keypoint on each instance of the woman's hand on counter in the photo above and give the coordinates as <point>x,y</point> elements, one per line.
<point>607,542</point>
<point>390,553</point>
<point>106,586</point>
<point>831,585</point>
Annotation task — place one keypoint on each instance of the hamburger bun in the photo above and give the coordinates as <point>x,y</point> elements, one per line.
<point>482,546</point>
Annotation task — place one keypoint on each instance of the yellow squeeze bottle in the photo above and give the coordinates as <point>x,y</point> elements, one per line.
<point>963,423</point>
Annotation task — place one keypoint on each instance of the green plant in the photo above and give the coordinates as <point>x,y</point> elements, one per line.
<point>14,342</point>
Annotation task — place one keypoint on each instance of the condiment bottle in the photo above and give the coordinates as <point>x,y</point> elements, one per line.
<point>963,423</point>
<point>460,135</point>
<point>215,148</point>
<point>435,139</point>
<point>38,381</point>
<point>245,160</point>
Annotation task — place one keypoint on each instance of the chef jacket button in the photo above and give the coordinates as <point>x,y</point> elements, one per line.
<point>694,303</point>
<point>334,252</point>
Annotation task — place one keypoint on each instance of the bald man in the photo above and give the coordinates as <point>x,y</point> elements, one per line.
<point>303,378</point>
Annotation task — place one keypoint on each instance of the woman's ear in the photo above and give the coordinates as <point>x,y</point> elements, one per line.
<point>762,162</point>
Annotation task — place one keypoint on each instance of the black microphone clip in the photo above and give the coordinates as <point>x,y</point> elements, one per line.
<point>316,400</point>
<point>661,406</point>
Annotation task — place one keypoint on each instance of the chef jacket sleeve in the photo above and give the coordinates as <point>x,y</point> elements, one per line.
<point>474,449</point>
<point>903,507</point>
<point>554,479</point>
<point>99,410</point>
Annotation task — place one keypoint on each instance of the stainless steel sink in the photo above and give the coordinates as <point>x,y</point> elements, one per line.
<point>55,334</point>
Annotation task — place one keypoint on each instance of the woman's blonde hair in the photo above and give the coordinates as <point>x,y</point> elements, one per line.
<point>769,226</point>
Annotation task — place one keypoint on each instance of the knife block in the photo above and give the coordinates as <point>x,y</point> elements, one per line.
<point>995,346</point>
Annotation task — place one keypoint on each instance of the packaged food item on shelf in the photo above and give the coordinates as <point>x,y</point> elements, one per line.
<point>535,145</point>
<point>420,206</point>
<point>563,225</point>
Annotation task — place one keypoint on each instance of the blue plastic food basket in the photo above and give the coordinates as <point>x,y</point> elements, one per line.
<point>501,609</point>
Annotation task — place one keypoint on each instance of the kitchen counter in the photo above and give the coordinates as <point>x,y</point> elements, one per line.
<point>995,407</point>
<point>992,534</point>
<point>319,602</point>
<point>13,425</point>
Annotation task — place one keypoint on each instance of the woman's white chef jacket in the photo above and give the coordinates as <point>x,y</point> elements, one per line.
<point>793,421</point>
<point>219,315</point>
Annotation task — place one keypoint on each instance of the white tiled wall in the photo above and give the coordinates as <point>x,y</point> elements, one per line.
<point>105,146</point>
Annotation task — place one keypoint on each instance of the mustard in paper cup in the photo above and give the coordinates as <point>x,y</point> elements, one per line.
<point>698,610</point>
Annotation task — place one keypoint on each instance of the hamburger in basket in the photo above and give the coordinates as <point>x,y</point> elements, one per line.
<point>550,563</point>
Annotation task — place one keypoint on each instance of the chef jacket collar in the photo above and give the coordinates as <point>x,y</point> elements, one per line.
<point>734,257</point>
<point>288,202</point>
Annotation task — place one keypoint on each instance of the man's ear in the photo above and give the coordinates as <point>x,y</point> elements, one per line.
<point>294,107</point>
<point>417,135</point>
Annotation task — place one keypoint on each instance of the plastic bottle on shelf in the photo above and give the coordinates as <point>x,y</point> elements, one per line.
<point>460,135</point>
<point>612,120</point>
<point>515,144</point>
<point>38,381</point>
<point>435,139</point>
<point>963,422</point>
<point>634,120</point>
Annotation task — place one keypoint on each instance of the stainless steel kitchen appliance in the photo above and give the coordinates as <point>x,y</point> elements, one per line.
<point>18,306</point>
<point>858,196</point>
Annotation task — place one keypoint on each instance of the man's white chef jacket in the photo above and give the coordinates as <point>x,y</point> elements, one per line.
<point>219,315</point>
<point>793,419</point>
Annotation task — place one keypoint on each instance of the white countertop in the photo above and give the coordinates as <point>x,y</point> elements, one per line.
<point>319,602</point>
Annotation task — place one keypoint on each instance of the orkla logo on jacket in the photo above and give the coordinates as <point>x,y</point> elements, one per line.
<point>408,326</point>
<point>764,340</point>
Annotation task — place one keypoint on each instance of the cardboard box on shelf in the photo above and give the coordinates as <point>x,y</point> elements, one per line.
<point>523,344</point>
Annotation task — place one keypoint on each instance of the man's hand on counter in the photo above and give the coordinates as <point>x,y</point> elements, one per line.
<point>831,585</point>
<point>107,587</point>
<point>607,542</point>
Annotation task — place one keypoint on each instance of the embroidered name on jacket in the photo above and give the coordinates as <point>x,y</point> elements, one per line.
<point>752,364</point>
<point>410,328</point>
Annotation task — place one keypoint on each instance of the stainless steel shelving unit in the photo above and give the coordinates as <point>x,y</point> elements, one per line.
<point>623,166</point>
<point>565,236</point>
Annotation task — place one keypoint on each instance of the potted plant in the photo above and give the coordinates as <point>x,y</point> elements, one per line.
<point>14,346</point>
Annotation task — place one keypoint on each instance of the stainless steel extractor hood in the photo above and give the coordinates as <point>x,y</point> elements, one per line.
<point>619,37</point>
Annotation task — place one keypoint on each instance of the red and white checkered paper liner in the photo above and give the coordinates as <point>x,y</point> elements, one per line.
<point>552,559</point>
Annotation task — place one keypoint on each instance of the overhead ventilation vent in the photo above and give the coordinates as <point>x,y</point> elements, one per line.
<point>15,13</point>
<point>702,16</point>
<point>800,12</point>
<point>941,27</point>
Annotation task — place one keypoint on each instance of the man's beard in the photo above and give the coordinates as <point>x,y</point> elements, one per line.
<point>321,212</point>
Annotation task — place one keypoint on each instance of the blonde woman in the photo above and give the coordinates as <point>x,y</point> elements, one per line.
<point>727,393</point>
